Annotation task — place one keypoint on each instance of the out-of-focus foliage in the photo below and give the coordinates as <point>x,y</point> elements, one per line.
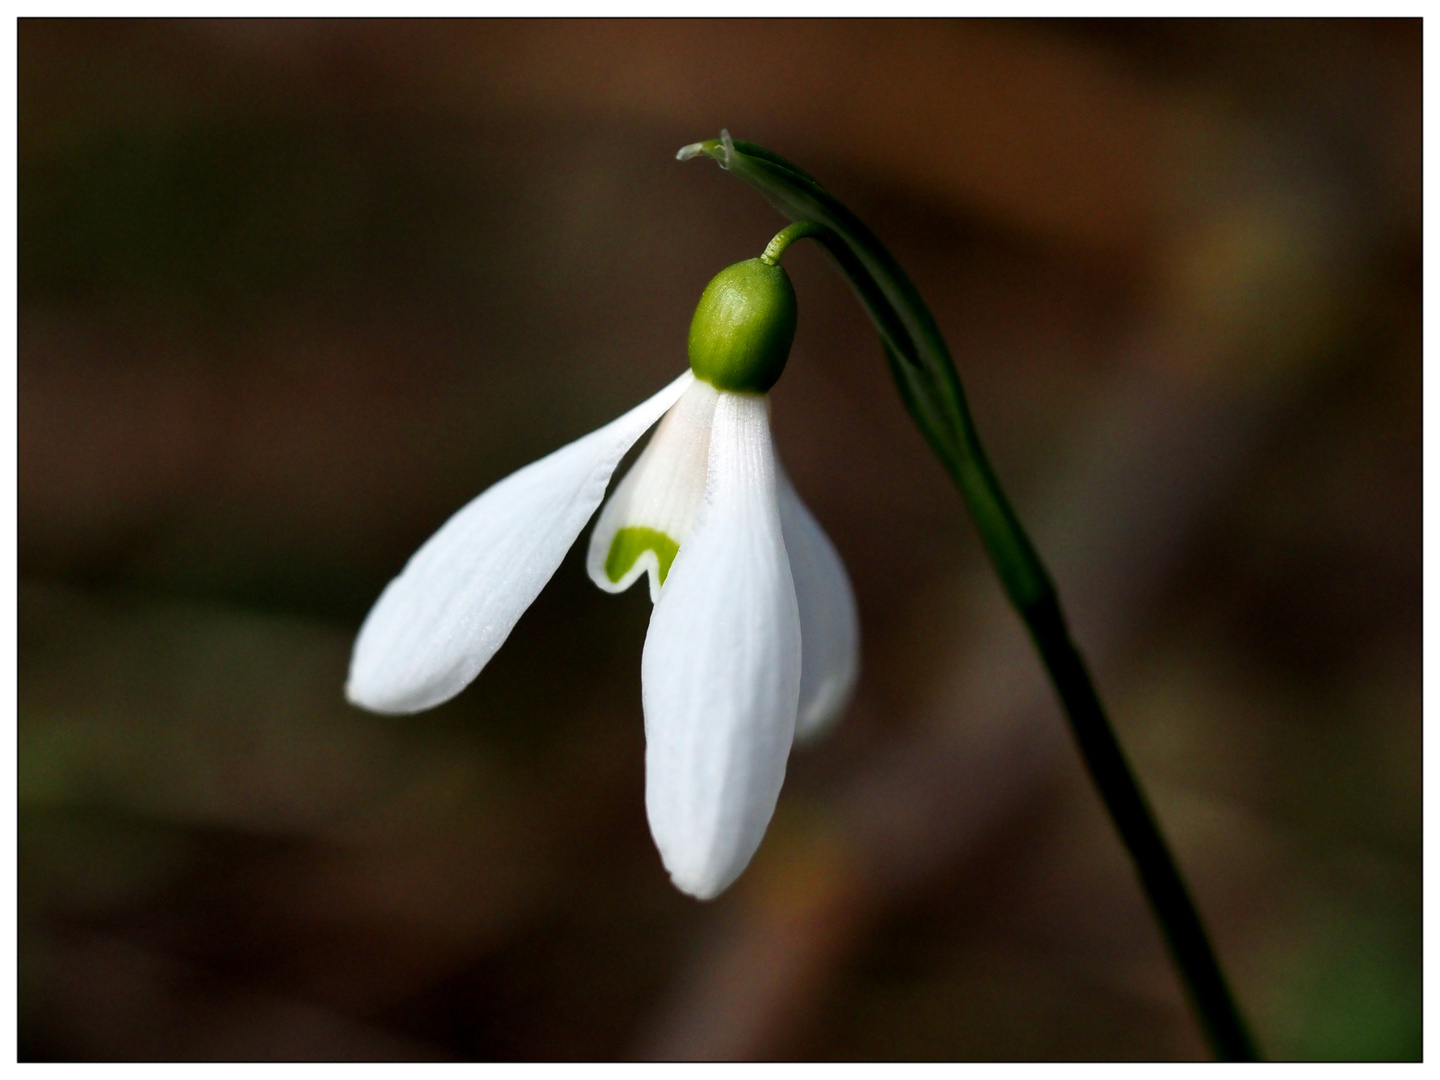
<point>292,292</point>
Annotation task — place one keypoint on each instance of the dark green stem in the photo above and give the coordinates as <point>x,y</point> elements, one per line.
<point>1169,899</point>
<point>925,375</point>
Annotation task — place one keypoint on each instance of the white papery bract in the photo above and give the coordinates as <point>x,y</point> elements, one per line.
<point>753,642</point>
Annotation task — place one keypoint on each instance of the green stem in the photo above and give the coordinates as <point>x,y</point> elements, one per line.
<point>930,387</point>
<point>1189,945</point>
<point>785,237</point>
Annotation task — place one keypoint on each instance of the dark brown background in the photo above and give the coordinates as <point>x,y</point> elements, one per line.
<point>291,292</point>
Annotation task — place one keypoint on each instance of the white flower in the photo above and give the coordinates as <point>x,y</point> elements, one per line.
<point>753,640</point>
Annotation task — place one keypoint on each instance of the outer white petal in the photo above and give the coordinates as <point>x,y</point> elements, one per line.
<point>721,668</point>
<point>438,623</point>
<point>662,491</point>
<point>829,623</point>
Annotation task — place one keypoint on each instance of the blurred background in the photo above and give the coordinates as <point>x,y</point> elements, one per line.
<point>293,292</point>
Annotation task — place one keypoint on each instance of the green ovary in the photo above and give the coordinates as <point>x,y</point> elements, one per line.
<point>633,541</point>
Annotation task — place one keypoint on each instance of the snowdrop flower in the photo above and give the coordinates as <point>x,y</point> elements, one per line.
<point>753,640</point>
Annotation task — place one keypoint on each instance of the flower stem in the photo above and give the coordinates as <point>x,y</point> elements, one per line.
<point>930,387</point>
<point>1185,934</point>
<point>785,237</point>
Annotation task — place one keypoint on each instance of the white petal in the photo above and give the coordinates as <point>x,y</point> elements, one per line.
<point>438,623</point>
<point>657,501</point>
<point>721,669</point>
<point>829,623</point>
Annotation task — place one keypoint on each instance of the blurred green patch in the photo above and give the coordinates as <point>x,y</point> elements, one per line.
<point>1356,995</point>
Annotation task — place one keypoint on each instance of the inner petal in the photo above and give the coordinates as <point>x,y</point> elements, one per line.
<point>648,517</point>
<point>633,541</point>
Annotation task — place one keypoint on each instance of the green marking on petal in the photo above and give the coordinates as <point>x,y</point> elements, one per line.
<point>633,541</point>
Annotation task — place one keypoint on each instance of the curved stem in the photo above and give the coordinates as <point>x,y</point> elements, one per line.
<point>930,387</point>
<point>785,237</point>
